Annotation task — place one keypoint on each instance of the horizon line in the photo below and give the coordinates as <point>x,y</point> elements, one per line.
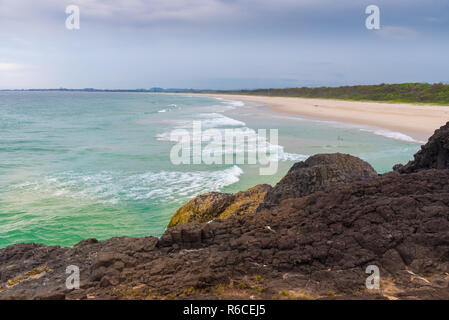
<point>160,89</point>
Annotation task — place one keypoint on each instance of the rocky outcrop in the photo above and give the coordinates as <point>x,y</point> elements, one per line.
<point>317,246</point>
<point>317,173</point>
<point>215,205</point>
<point>433,155</point>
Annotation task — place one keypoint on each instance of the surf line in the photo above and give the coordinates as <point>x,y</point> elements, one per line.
<point>188,148</point>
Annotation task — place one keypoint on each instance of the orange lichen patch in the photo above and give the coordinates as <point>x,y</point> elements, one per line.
<point>297,294</point>
<point>215,205</point>
<point>389,289</point>
<point>35,273</point>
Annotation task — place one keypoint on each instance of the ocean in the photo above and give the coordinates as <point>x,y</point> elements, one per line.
<point>78,165</point>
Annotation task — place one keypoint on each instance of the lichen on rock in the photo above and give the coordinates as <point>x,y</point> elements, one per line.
<point>215,205</point>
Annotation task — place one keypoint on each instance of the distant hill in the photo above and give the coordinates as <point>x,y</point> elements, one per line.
<point>405,92</point>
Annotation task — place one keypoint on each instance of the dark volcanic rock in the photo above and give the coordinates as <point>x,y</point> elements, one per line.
<point>315,246</point>
<point>433,155</point>
<point>317,173</point>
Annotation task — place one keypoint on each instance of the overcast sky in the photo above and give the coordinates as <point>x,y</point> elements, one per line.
<point>221,44</point>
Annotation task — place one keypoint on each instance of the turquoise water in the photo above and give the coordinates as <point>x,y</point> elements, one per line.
<point>81,165</point>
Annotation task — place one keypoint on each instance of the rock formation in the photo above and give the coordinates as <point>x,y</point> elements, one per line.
<point>215,205</point>
<point>316,246</point>
<point>317,173</point>
<point>433,155</point>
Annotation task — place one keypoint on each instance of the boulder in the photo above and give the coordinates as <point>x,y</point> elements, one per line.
<point>215,205</point>
<point>433,155</point>
<point>317,173</point>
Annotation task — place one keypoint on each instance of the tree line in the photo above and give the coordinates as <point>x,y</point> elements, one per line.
<point>437,93</point>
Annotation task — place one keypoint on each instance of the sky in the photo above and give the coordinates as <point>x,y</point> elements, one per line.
<point>221,44</point>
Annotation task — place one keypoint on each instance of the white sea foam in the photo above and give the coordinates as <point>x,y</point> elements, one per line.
<point>113,187</point>
<point>221,122</point>
<point>253,144</point>
<point>170,107</point>
<point>235,103</point>
<point>208,121</point>
<point>231,104</point>
<point>165,136</point>
<point>216,120</point>
<point>392,135</point>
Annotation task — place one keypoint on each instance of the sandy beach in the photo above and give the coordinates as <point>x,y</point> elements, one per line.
<point>418,121</point>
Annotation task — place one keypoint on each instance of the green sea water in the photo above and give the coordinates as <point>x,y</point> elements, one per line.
<point>79,165</point>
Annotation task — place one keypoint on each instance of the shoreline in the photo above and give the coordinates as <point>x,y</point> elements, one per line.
<point>417,121</point>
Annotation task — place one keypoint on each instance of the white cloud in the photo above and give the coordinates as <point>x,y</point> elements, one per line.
<point>10,67</point>
<point>432,20</point>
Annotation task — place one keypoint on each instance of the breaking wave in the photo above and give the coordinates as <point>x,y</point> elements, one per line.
<point>114,187</point>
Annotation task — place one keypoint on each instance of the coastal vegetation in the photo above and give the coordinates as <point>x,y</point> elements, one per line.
<point>437,93</point>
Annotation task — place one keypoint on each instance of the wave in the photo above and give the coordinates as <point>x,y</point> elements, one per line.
<point>235,103</point>
<point>170,107</point>
<point>221,122</point>
<point>216,120</point>
<point>392,135</point>
<point>208,121</point>
<point>231,104</point>
<point>114,187</point>
<point>251,144</point>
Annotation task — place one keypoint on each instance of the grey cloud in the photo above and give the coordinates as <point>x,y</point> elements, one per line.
<point>398,32</point>
<point>151,11</point>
